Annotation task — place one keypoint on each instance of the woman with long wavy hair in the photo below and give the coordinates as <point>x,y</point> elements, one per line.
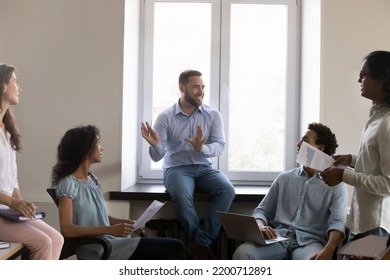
<point>42,241</point>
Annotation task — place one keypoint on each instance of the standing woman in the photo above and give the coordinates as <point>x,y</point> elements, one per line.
<point>42,241</point>
<point>82,208</point>
<point>370,176</point>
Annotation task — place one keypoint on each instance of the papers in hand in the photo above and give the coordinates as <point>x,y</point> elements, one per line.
<point>13,215</point>
<point>148,214</point>
<point>312,157</point>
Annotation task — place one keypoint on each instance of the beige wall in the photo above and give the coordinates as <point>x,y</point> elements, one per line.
<point>350,30</point>
<point>69,57</point>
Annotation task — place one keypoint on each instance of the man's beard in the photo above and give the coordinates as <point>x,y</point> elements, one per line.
<point>193,101</point>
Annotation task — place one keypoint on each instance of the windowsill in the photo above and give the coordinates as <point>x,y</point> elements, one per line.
<point>158,192</point>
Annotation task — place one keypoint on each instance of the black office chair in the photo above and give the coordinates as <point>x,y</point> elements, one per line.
<point>71,243</point>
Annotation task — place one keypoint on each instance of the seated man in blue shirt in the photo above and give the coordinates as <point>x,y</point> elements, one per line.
<point>188,135</point>
<point>301,207</point>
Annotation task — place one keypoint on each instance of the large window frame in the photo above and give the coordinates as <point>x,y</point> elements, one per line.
<point>219,77</point>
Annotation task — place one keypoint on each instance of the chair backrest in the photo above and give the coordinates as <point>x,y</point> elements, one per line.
<point>52,192</point>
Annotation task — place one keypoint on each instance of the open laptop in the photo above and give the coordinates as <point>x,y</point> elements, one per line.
<point>244,228</point>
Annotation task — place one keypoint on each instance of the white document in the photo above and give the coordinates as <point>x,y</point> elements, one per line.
<point>148,214</point>
<point>314,158</point>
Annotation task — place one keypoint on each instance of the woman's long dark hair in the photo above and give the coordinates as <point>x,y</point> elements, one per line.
<point>9,117</point>
<point>74,148</point>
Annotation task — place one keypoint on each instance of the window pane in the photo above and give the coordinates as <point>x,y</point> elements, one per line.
<point>182,40</point>
<point>247,52</point>
<point>257,87</point>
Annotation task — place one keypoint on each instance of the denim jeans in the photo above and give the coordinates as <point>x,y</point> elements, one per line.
<point>180,183</point>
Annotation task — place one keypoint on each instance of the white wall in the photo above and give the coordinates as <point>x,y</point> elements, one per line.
<point>69,57</point>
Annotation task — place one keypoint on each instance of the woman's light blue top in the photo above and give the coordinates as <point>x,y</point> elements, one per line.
<point>90,210</point>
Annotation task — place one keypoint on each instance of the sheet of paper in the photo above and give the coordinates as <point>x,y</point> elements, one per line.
<point>148,214</point>
<point>312,157</point>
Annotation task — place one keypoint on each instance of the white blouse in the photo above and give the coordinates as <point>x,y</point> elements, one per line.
<point>370,206</point>
<point>8,169</point>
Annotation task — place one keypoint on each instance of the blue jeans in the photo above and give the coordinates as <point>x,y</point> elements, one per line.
<point>180,183</point>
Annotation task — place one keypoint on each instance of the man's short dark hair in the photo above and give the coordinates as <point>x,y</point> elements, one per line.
<point>186,75</point>
<point>325,137</point>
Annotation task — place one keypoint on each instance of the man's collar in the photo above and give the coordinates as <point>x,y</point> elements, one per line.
<point>179,110</point>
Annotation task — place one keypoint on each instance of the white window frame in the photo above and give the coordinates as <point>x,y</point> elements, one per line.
<point>219,76</point>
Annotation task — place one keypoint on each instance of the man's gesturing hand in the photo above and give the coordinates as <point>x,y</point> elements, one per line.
<point>199,139</point>
<point>149,134</point>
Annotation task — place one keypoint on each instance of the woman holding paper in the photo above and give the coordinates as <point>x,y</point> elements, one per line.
<point>82,208</point>
<point>42,241</point>
<point>369,174</point>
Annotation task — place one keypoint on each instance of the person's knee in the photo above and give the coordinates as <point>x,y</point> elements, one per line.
<point>306,252</point>
<point>231,192</point>
<point>228,193</point>
<point>243,252</point>
<point>46,241</point>
<point>58,239</point>
<point>42,244</point>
